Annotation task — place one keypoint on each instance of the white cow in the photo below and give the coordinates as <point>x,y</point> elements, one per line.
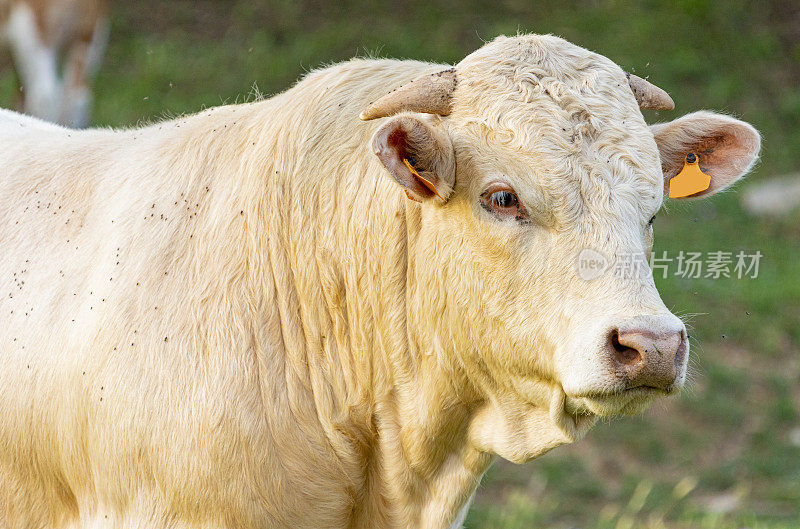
<point>239,319</point>
<point>56,47</point>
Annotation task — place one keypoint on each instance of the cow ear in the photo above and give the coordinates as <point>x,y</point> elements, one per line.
<point>419,156</point>
<point>725,147</point>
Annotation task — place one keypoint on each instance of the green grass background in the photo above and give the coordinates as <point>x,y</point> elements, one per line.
<point>726,453</point>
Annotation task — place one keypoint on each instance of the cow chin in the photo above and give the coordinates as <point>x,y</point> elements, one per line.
<point>519,430</point>
<point>630,402</point>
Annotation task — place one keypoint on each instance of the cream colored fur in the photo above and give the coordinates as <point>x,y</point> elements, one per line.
<point>237,319</point>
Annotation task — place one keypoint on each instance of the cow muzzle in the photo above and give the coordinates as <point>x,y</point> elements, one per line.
<point>649,353</point>
<point>632,362</point>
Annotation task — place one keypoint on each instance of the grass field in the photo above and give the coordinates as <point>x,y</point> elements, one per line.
<point>726,453</point>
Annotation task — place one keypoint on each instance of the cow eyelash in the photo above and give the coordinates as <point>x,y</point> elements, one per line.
<point>503,202</point>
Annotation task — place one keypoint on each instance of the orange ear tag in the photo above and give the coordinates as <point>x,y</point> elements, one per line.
<point>690,181</point>
<point>426,183</point>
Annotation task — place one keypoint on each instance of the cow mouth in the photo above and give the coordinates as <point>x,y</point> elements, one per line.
<point>629,401</point>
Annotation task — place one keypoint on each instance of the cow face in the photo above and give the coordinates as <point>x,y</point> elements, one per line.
<point>538,192</point>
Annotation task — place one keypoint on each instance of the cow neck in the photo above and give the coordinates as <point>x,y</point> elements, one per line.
<point>337,235</point>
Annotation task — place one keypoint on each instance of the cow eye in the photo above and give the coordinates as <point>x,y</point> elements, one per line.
<point>502,201</point>
<point>650,222</point>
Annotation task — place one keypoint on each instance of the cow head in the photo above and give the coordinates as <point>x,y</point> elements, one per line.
<point>537,177</point>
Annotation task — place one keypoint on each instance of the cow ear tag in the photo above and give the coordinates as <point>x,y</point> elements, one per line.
<point>690,181</point>
<point>425,182</point>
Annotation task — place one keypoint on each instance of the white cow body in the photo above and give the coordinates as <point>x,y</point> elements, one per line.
<point>236,319</point>
<point>161,388</point>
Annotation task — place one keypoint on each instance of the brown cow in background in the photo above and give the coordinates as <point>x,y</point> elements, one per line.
<point>55,47</point>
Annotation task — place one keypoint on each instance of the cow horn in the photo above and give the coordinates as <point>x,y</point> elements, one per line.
<point>430,94</point>
<point>649,95</point>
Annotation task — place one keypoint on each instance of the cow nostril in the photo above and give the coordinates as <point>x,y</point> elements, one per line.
<point>623,354</point>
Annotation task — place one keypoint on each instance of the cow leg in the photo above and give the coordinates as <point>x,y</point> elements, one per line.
<point>19,100</point>
<point>36,63</point>
<point>83,59</point>
<point>6,63</point>
<point>458,523</point>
